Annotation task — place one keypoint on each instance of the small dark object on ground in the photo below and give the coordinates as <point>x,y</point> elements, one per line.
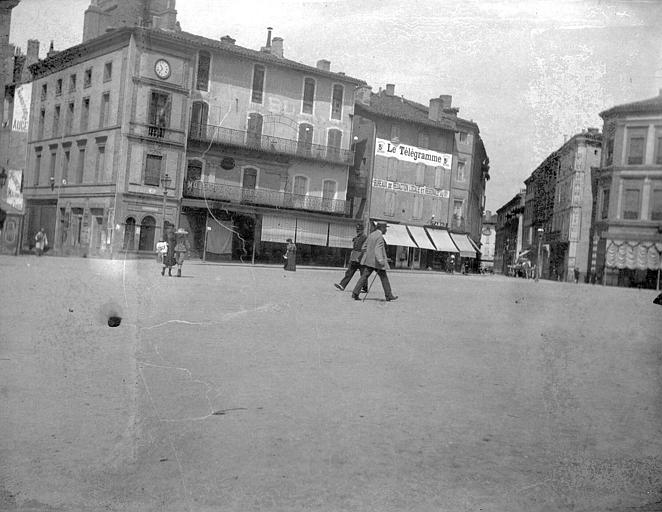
<point>114,321</point>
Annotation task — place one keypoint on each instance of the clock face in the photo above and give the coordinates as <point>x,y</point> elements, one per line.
<point>162,68</point>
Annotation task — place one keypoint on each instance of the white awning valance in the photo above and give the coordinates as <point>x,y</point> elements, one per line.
<point>466,249</point>
<point>421,238</point>
<point>397,234</point>
<point>633,255</point>
<point>442,240</point>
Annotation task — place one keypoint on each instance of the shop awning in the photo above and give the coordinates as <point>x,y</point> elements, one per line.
<point>340,235</point>
<point>421,239</point>
<point>277,229</point>
<point>442,240</point>
<point>397,234</point>
<point>312,232</point>
<point>641,255</point>
<point>475,245</point>
<point>466,249</point>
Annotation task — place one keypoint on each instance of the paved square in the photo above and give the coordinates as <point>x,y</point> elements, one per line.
<point>238,388</point>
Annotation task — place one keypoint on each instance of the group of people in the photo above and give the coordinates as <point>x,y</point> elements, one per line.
<point>172,250</point>
<point>368,255</point>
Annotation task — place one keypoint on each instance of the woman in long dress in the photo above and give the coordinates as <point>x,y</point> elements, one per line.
<point>291,256</point>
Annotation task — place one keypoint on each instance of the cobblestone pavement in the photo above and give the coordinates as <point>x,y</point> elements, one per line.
<point>239,388</point>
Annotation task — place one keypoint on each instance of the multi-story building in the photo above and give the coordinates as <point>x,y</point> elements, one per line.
<point>137,126</point>
<point>423,170</point>
<point>508,241</point>
<point>627,188</point>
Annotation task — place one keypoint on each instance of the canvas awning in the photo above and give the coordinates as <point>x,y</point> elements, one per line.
<point>420,237</point>
<point>464,245</point>
<point>475,245</point>
<point>341,235</point>
<point>397,234</point>
<point>312,232</point>
<point>442,240</point>
<point>641,255</point>
<point>277,229</point>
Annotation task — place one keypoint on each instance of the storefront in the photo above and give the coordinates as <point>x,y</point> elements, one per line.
<point>632,263</point>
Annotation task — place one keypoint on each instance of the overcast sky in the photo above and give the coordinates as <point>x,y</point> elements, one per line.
<point>530,73</point>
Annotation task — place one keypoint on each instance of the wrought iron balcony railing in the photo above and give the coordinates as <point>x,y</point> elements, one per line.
<point>263,197</point>
<point>269,144</point>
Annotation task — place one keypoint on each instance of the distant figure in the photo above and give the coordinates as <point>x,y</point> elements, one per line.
<point>451,264</point>
<point>169,257</point>
<point>375,259</point>
<point>181,249</point>
<point>290,256</point>
<point>576,273</point>
<point>161,250</point>
<point>354,259</point>
<point>41,242</point>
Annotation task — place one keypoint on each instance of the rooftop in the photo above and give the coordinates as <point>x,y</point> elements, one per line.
<point>636,107</point>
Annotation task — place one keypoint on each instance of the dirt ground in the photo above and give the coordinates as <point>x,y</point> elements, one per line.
<point>239,388</point>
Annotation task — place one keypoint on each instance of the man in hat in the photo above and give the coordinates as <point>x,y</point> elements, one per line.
<point>354,259</point>
<point>375,259</point>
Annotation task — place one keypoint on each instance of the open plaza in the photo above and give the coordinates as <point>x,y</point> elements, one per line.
<point>240,388</point>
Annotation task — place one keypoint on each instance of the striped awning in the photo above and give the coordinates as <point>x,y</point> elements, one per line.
<point>341,235</point>
<point>397,234</point>
<point>421,238</point>
<point>277,229</point>
<point>442,240</point>
<point>312,232</point>
<point>464,245</point>
<point>641,255</point>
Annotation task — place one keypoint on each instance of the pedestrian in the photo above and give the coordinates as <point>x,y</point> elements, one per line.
<point>181,249</point>
<point>354,259</point>
<point>290,256</point>
<point>576,272</point>
<point>41,242</point>
<point>374,259</point>
<point>161,250</point>
<point>169,256</point>
<point>451,265</point>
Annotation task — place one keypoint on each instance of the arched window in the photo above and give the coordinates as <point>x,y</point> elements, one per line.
<point>147,229</point>
<point>199,118</point>
<point>305,144</point>
<point>204,64</point>
<point>129,234</point>
<point>300,186</point>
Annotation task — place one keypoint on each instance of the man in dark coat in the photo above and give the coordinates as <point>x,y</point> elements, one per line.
<point>354,259</point>
<point>375,259</point>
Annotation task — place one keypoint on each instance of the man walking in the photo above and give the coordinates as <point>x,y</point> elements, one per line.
<point>354,259</point>
<point>374,259</point>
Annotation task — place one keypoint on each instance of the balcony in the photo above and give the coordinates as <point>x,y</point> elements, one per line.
<point>263,197</point>
<point>157,133</point>
<point>269,144</point>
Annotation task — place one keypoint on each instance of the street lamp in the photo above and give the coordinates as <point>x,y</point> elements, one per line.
<point>165,182</point>
<point>539,262</point>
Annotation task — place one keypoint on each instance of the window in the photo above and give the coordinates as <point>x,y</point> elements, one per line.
<point>605,204</point>
<point>107,71</point>
<point>129,234</point>
<point>87,78</point>
<point>457,212</point>
<point>419,177</point>
<point>159,109</point>
<point>333,143</point>
<point>308,96</point>
<point>56,121</point>
<point>254,132</point>
<point>609,153</point>
<point>153,170</point>
<point>68,122</point>
<point>636,146</point>
<point>438,177</point>
<point>658,148</point>
<point>336,102</point>
<point>44,91</point>
<point>80,170</point>
<point>392,169</point>
<point>72,83</point>
<point>418,206</point>
<point>199,114</point>
<point>300,186</point>
<point>463,137</point>
<point>423,140</point>
<point>204,65</point>
<point>328,194</point>
<point>37,168</point>
<point>65,164</point>
<point>461,171</point>
<point>305,143</point>
<point>389,203</point>
<point>84,114</point>
<point>395,132</point>
<point>42,120</point>
<point>147,232</point>
<point>100,167</point>
<point>656,213</point>
<point>105,110</point>
<point>631,204</point>
<point>258,84</point>
<point>58,87</point>
<point>248,184</point>
<point>52,167</point>
<point>193,171</point>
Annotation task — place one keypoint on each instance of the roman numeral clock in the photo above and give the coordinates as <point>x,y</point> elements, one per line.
<point>162,69</point>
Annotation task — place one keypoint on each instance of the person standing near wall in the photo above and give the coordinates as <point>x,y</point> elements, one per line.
<point>41,242</point>
<point>181,249</point>
<point>290,256</point>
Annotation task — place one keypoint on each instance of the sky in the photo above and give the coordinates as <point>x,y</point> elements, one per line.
<point>530,73</point>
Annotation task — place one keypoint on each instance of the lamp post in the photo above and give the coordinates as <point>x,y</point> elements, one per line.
<point>165,182</point>
<point>539,262</point>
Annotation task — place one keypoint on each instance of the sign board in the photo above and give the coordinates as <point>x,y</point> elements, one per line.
<point>22,98</point>
<point>408,187</point>
<point>413,154</point>
<point>14,185</point>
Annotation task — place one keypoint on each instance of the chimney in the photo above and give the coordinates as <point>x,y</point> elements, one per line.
<point>324,65</point>
<point>390,89</point>
<point>33,52</point>
<point>363,93</point>
<point>436,108</point>
<point>593,130</point>
<point>51,51</point>
<point>277,47</point>
<point>447,101</point>
<point>267,47</point>
<point>228,39</point>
